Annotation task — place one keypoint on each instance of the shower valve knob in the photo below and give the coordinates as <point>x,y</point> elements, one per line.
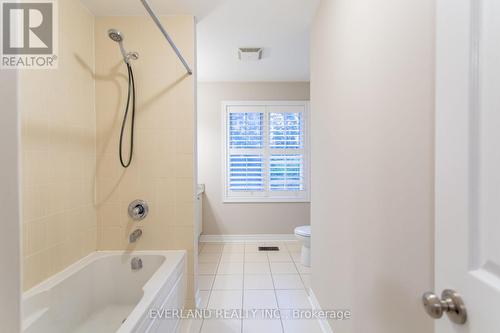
<point>138,210</point>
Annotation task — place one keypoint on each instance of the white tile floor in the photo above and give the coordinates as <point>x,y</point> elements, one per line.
<point>238,276</point>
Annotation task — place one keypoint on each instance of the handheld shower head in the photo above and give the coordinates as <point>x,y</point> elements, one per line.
<point>117,36</point>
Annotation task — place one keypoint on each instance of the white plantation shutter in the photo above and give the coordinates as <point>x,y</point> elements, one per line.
<point>265,151</point>
<point>286,173</point>
<point>246,173</point>
<point>286,129</point>
<point>246,129</point>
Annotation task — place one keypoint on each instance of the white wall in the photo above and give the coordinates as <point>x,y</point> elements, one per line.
<point>10,246</point>
<point>372,85</point>
<point>240,218</point>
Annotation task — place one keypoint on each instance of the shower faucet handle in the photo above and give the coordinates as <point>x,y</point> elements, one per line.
<point>138,210</point>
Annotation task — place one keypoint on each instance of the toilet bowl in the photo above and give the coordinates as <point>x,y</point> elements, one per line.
<point>303,233</point>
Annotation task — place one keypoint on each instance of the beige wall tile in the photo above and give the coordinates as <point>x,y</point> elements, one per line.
<point>184,139</point>
<point>37,235</point>
<point>184,165</point>
<point>36,268</point>
<point>58,141</point>
<point>184,214</point>
<point>166,191</point>
<point>112,238</point>
<point>107,192</point>
<point>35,202</point>
<point>162,170</point>
<point>112,215</point>
<point>184,191</point>
<point>56,260</point>
<point>57,229</point>
<point>76,193</point>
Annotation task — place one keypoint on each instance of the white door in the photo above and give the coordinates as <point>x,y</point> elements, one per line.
<point>467,239</point>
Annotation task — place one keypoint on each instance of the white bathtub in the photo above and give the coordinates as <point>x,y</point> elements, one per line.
<point>97,294</point>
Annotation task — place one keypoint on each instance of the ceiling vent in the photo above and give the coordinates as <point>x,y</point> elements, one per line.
<point>250,53</point>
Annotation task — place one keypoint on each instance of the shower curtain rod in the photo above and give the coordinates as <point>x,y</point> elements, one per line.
<point>167,36</point>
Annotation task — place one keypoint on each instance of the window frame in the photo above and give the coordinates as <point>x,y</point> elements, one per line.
<point>264,196</point>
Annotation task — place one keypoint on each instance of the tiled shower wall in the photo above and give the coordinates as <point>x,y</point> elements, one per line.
<point>162,169</point>
<point>75,193</point>
<point>58,142</point>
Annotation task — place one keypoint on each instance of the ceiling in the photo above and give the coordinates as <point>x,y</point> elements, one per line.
<point>280,27</point>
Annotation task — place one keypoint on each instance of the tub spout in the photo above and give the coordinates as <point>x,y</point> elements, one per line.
<point>136,263</point>
<point>135,235</point>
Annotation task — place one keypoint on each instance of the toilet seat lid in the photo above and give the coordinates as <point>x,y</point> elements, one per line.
<point>304,231</point>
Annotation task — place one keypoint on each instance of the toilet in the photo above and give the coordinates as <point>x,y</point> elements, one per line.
<point>303,233</point>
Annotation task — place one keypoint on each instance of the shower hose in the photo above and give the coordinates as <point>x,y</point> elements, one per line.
<point>130,102</point>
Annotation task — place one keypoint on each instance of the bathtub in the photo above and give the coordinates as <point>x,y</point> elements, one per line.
<point>101,293</point>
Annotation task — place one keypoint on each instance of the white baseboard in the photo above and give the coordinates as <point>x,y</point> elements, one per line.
<point>325,325</point>
<point>247,238</point>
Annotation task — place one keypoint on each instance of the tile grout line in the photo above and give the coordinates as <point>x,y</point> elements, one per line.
<point>212,285</point>
<point>275,293</point>
<point>297,269</point>
<point>243,286</point>
<point>283,249</point>
<point>300,276</point>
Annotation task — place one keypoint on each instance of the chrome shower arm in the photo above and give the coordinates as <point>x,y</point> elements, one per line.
<point>167,36</point>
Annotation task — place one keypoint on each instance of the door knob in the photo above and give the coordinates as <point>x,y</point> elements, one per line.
<point>451,302</point>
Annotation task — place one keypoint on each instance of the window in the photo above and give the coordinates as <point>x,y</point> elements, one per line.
<point>266,151</point>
